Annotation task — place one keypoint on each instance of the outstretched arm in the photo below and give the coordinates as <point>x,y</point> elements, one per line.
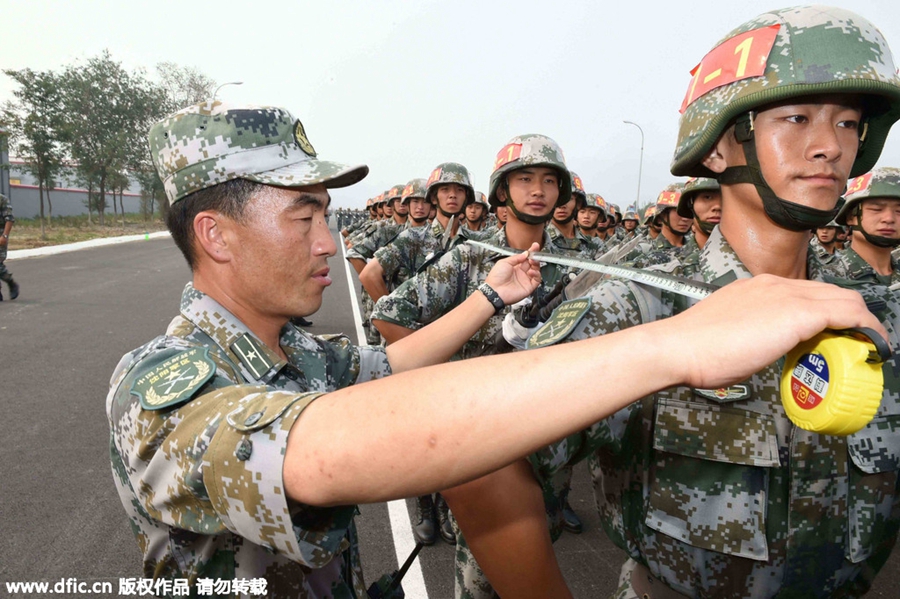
<point>422,431</point>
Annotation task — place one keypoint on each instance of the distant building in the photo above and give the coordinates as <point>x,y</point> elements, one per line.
<point>68,199</point>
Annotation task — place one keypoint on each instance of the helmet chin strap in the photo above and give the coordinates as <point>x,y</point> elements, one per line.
<point>566,221</point>
<point>789,215</point>
<point>876,240</point>
<point>528,219</point>
<point>668,225</point>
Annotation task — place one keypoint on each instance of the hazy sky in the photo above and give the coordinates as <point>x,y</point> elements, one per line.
<point>403,86</point>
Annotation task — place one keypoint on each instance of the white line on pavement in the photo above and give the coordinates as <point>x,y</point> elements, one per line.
<point>414,581</point>
<point>90,243</point>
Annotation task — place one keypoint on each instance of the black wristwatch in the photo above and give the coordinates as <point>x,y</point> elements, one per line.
<point>492,297</point>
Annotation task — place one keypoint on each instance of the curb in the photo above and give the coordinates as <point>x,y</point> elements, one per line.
<point>81,245</point>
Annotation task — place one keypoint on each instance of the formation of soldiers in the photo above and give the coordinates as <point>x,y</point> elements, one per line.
<point>415,266</point>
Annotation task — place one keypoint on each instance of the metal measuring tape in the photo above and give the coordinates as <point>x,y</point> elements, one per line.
<point>830,384</point>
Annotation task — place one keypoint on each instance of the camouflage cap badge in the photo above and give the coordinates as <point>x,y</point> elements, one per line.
<point>211,142</point>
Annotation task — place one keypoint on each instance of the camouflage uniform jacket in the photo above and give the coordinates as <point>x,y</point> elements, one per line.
<point>447,282</point>
<point>855,268</point>
<point>380,236</point>
<point>401,258</point>
<point>832,262</point>
<point>725,497</point>
<point>580,244</point>
<point>6,214</point>
<point>200,476</point>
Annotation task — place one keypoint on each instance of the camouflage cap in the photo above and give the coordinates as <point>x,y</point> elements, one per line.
<point>414,189</point>
<point>789,53</point>
<point>668,197</point>
<point>530,150</point>
<point>694,186</point>
<point>211,142</point>
<point>882,182</point>
<point>449,172</point>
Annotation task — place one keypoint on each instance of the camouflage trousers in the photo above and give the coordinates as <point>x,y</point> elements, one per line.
<point>470,580</point>
<point>5,275</point>
<point>625,590</point>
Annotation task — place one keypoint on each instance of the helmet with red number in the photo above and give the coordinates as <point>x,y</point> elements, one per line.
<point>786,54</point>
<point>449,172</point>
<point>530,150</point>
<point>668,197</point>
<point>694,186</point>
<point>882,182</point>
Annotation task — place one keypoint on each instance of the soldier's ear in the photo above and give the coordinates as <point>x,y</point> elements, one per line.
<point>715,159</point>
<point>727,151</point>
<point>212,235</point>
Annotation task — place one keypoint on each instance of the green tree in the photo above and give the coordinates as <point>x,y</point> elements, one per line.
<point>37,131</point>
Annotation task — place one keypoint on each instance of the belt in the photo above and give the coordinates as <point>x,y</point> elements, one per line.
<point>648,586</point>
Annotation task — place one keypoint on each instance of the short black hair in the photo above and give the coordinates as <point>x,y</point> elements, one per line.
<point>229,198</point>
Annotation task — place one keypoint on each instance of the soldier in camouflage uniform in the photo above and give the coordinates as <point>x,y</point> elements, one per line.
<point>714,492</point>
<point>630,221</point>
<point>476,215</point>
<point>563,229</point>
<point>6,217</point>
<point>199,418</point>
<point>872,210</point>
<point>588,218</point>
<point>653,226</point>
<point>701,201</point>
<point>399,259</point>
<point>823,244</point>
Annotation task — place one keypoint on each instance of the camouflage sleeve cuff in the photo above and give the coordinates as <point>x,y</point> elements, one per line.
<point>243,476</point>
<point>389,259</point>
<point>373,363</point>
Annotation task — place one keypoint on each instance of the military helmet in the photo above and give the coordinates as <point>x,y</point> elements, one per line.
<point>668,197</point>
<point>381,198</point>
<point>649,214</point>
<point>577,186</point>
<point>449,172</point>
<point>480,198</point>
<point>592,200</point>
<point>394,193</point>
<point>209,143</point>
<point>630,213</point>
<point>530,150</point>
<point>784,54</point>
<point>882,182</point>
<point>694,186</point>
<point>414,189</point>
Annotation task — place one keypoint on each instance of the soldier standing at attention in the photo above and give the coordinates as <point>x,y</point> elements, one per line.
<point>872,209</point>
<point>715,496</point>
<point>701,200</point>
<point>588,217</point>
<point>6,217</point>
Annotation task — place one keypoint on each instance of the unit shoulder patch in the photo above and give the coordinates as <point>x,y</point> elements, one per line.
<point>560,324</point>
<point>175,379</point>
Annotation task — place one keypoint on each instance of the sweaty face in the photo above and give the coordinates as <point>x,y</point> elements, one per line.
<point>451,197</point>
<point>806,150</point>
<point>534,189</point>
<point>880,216</point>
<point>280,260</point>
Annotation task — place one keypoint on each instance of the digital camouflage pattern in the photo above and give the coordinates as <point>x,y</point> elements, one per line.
<point>816,49</point>
<point>414,189</point>
<point>405,254</point>
<point>201,479</point>
<point>581,244</point>
<point>6,215</point>
<point>727,498</point>
<point>211,142</point>
<point>530,150</point>
<point>855,268</point>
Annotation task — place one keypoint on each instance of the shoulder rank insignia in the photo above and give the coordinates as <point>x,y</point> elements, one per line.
<point>725,394</point>
<point>560,324</point>
<point>174,380</point>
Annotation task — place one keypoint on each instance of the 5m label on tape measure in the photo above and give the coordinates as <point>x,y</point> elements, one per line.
<point>809,381</point>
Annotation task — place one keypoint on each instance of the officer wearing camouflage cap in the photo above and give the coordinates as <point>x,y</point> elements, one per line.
<point>715,493</point>
<point>872,210</point>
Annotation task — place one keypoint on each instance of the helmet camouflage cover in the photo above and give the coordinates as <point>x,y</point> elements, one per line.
<point>211,142</point>
<point>480,198</point>
<point>394,193</point>
<point>530,150</point>
<point>783,54</point>
<point>630,213</point>
<point>694,186</point>
<point>414,189</point>
<point>449,172</point>
<point>593,200</point>
<point>668,197</point>
<point>649,214</point>
<point>577,185</point>
<point>880,183</point>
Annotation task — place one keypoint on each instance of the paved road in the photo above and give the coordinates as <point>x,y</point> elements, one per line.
<point>60,516</point>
